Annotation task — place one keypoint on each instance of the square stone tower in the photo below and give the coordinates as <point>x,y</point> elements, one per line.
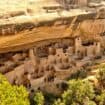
<point>78,45</point>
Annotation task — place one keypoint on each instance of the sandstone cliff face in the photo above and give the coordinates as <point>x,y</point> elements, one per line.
<point>93,26</point>
<point>30,24</point>
<point>89,30</point>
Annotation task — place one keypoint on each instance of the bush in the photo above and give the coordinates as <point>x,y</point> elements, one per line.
<point>78,93</point>
<point>101,77</point>
<point>12,95</point>
<point>39,98</point>
<point>80,74</point>
<point>100,99</point>
<point>50,98</point>
<point>59,102</point>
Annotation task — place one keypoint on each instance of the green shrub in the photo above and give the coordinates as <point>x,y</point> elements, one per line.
<point>100,99</point>
<point>78,93</point>
<point>101,77</point>
<point>12,95</point>
<point>50,98</point>
<point>39,98</point>
<point>80,74</point>
<point>90,103</point>
<point>59,102</point>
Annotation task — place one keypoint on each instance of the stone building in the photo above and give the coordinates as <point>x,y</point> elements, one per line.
<point>92,50</point>
<point>70,50</point>
<point>97,48</point>
<point>78,46</point>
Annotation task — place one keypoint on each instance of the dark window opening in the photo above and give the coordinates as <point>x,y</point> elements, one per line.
<point>88,43</point>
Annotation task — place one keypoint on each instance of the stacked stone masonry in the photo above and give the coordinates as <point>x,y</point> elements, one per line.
<point>48,63</point>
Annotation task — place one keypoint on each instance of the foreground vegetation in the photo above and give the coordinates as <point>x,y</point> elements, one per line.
<point>79,92</point>
<point>12,95</point>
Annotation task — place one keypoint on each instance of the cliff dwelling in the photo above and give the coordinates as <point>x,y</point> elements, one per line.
<point>45,63</point>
